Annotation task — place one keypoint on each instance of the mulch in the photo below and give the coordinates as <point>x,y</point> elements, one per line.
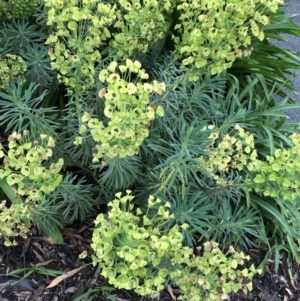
<point>40,251</point>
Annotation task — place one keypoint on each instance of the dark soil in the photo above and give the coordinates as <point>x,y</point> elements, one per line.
<point>282,285</point>
<point>40,251</point>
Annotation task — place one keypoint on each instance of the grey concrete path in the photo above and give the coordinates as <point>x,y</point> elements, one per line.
<point>293,43</point>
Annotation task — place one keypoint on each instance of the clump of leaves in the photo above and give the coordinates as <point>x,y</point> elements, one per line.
<point>21,110</point>
<point>73,198</point>
<point>135,252</point>
<point>38,66</point>
<point>18,35</point>
<point>269,185</point>
<point>21,38</point>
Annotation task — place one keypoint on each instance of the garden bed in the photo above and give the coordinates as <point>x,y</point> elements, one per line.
<point>144,137</point>
<point>37,251</point>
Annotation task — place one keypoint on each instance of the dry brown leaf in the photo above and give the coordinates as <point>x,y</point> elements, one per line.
<point>49,240</point>
<point>96,275</point>
<point>27,244</point>
<point>170,290</point>
<point>43,263</point>
<point>40,257</point>
<point>289,292</point>
<point>81,229</point>
<point>37,245</point>
<point>58,279</point>
<point>68,233</point>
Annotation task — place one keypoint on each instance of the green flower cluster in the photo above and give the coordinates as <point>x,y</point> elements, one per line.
<point>214,274</point>
<point>23,167</point>
<point>139,25</point>
<point>81,28</point>
<point>27,178</point>
<point>10,9</point>
<point>127,106</point>
<point>207,33</point>
<point>11,223</point>
<point>136,253</point>
<point>11,66</point>
<point>214,33</point>
<point>234,151</point>
<point>279,175</point>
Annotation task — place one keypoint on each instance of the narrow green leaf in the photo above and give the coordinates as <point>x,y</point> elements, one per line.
<point>273,211</point>
<point>7,190</point>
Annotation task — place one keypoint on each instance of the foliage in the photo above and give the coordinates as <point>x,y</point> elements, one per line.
<point>275,177</point>
<point>22,110</point>
<point>106,291</point>
<point>21,38</point>
<point>278,176</point>
<point>38,66</point>
<point>82,32</point>
<point>11,223</point>
<point>139,26</point>
<point>134,252</point>
<point>119,173</point>
<point>188,208</point>
<point>18,35</point>
<point>73,198</point>
<point>274,180</point>
<point>79,31</point>
<point>276,64</point>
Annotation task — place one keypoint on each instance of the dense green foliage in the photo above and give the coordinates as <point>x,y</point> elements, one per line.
<point>172,100</point>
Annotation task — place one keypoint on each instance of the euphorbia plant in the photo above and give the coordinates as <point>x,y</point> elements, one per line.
<point>128,109</point>
<point>215,33</point>
<point>137,253</point>
<point>26,181</point>
<point>204,33</point>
